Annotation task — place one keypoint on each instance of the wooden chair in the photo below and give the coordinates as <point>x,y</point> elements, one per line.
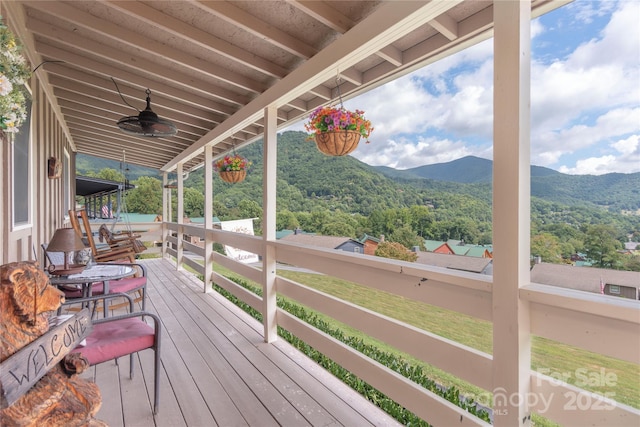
<point>100,255</point>
<point>122,335</point>
<point>120,240</point>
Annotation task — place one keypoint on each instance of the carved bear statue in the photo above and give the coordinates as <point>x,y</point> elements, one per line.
<point>60,397</point>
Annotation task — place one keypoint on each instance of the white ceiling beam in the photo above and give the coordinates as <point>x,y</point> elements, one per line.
<point>239,18</point>
<point>141,81</point>
<point>120,35</point>
<point>112,103</point>
<point>446,25</point>
<point>338,22</point>
<point>185,31</point>
<point>133,95</point>
<point>325,14</point>
<point>116,56</point>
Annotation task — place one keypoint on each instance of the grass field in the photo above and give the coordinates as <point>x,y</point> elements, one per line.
<point>604,375</point>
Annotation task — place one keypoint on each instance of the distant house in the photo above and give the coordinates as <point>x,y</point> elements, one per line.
<point>438,247</point>
<point>365,245</point>
<point>596,280</point>
<point>370,244</point>
<point>328,242</point>
<point>632,246</point>
<point>456,262</point>
<point>458,247</point>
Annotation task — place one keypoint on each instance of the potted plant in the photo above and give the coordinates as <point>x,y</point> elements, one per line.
<point>14,72</point>
<point>337,130</point>
<point>232,168</point>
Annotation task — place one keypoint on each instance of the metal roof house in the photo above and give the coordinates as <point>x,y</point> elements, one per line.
<point>230,73</point>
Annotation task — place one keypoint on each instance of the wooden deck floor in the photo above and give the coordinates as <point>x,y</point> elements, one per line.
<point>216,370</point>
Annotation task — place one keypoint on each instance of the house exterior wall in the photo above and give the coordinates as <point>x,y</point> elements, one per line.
<point>47,198</point>
<point>351,246</point>
<point>370,247</point>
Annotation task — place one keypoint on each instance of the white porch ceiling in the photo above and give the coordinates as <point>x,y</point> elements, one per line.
<point>213,66</point>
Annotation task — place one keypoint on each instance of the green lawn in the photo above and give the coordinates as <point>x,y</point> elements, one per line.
<point>552,358</point>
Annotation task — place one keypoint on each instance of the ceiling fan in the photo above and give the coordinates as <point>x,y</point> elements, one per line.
<point>146,123</point>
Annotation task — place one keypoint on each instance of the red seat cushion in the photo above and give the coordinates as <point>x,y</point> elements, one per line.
<point>115,286</point>
<point>116,338</point>
<point>123,285</point>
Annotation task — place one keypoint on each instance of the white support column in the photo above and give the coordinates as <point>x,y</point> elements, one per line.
<point>180,216</point>
<point>270,160</point>
<point>208,216</point>
<point>511,211</point>
<point>166,201</point>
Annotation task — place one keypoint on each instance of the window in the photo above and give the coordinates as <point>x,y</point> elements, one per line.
<point>356,249</point>
<point>614,289</point>
<point>66,183</point>
<point>21,173</point>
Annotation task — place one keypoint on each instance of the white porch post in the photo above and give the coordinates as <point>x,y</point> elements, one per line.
<point>208,216</point>
<point>269,224</point>
<point>166,201</point>
<point>180,216</point>
<point>511,212</point>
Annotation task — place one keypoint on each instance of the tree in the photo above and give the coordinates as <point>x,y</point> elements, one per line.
<point>601,246</point>
<point>395,250</point>
<point>286,220</point>
<point>146,198</point>
<point>406,237</point>
<point>111,175</point>
<point>193,203</point>
<point>547,247</point>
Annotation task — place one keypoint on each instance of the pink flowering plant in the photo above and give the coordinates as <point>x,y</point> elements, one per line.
<point>231,163</point>
<point>328,119</point>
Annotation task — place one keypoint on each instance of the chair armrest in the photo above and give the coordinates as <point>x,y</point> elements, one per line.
<point>101,297</point>
<point>128,264</point>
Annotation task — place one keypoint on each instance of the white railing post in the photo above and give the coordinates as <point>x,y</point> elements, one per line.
<point>208,216</point>
<point>269,224</point>
<point>180,214</point>
<point>166,201</point>
<point>511,212</point>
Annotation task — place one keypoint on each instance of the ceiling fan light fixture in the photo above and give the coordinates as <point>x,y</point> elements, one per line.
<point>147,123</point>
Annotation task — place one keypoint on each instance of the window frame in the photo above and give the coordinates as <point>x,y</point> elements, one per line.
<point>18,174</point>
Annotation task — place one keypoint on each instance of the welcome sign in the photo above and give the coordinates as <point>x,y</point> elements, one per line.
<point>19,372</point>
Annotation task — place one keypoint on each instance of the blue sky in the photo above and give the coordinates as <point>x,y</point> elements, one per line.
<point>585,98</point>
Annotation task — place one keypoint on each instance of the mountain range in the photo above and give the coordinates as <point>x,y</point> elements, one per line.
<point>616,191</point>
<point>303,173</point>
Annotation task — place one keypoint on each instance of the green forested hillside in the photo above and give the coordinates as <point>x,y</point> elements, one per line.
<point>615,192</point>
<point>91,166</point>
<point>343,196</point>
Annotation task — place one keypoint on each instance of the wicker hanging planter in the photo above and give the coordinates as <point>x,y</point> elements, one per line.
<point>337,143</point>
<point>233,177</point>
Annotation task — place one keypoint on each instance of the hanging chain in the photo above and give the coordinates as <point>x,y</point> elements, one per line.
<point>338,88</point>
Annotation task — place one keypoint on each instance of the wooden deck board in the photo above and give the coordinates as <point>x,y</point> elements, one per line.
<point>217,370</point>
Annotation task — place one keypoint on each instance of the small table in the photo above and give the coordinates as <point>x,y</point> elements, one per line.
<point>95,273</point>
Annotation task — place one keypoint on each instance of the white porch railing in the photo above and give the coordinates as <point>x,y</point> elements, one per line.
<point>606,325</point>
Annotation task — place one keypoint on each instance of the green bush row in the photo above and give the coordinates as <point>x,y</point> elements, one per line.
<point>391,361</point>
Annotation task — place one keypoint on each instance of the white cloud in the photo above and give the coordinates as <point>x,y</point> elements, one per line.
<point>403,154</point>
<point>585,106</point>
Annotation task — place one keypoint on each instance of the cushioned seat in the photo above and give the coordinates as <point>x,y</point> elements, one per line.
<point>122,335</point>
<point>125,285</point>
<point>111,340</point>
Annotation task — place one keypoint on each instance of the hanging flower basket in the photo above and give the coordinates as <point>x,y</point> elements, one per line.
<point>233,176</point>
<point>337,143</point>
<point>232,168</point>
<point>337,131</point>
